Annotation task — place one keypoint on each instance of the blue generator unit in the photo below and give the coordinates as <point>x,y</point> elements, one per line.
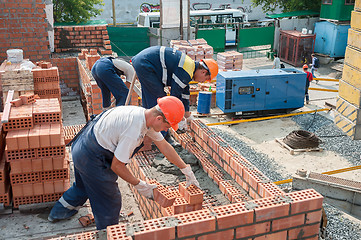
<point>258,90</point>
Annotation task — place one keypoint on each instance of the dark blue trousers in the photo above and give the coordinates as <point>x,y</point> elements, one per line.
<point>94,180</point>
<point>109,81</point>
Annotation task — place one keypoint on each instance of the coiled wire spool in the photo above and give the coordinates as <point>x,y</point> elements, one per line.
<point>301,139</point>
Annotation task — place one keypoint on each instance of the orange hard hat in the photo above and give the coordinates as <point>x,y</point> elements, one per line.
<point>212,66</point>
<point>173,110</point>
<point>305,66</point>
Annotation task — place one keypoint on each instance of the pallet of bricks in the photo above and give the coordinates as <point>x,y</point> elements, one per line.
<point>13,77</point>
<point>35,151</point>
<point>230,60</point>
<point>5,192</point>
<point>196,49</point>
<point>46,80</point>
<point>91,93</point>
<point>348,103</point>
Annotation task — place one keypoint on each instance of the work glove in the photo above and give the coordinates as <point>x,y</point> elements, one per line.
<point>145,189</point>
<point>190,118</point>
<point>182,126</point>
<point>190,178</point>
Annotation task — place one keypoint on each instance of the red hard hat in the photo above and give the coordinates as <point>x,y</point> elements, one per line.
<point>212,66</point>
<point>305,66</point>
<point>173,110</point>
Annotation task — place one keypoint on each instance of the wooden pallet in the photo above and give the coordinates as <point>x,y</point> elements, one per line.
<point>293,150</point>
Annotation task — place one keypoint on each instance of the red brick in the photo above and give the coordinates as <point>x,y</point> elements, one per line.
<point>192,194</point>
<point>273,236</point>
<point>37,165</point>
<point>305,201</point>
<point>252,230</point>
<point>34,137</point>
<point>228,234</point>
<point>269,208</point>
<point>153,229</point>
<point>47,164</point>
<point>12,141</point>
<point>196,222</point>
<point>23,139</point>
<point>288,222</point>
<point>313,217</point>
<point>55,134</point>
<point>232,215</point>
<point>45,135</point>
<point>305,231</point>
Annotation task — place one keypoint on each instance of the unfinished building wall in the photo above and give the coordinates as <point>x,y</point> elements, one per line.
<point>68,75</point>
<point>23,25</point>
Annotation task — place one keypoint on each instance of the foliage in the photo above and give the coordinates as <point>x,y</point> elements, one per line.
<point>76,10</point>
<point>288,5</point>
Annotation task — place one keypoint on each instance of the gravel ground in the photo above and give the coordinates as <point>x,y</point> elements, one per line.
<point>340,225</point>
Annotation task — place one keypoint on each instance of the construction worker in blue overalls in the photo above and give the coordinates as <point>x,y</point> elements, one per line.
<point>102,150</point>
<point>158,66</point>
<point>106,72</point>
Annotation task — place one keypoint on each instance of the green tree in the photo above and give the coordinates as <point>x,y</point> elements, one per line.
<point>75,10</point>
<point>288,5</point>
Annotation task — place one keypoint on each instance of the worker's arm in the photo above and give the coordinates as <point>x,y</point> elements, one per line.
<point>122,171</point>
<point>170,153</point>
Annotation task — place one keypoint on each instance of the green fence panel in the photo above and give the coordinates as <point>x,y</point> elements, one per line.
<point>249,37</point>
<point>128,40</point>
<point>214,37</point>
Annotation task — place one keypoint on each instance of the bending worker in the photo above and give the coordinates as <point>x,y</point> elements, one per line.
<point>157,67</point>
<point>106,72</point>
<point>100,154</point>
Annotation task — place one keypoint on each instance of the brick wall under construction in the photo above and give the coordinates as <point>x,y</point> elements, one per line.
<point>259,209</point>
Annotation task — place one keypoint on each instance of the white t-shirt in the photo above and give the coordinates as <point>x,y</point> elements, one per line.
<point>122,129</point>
<point>276,63</point>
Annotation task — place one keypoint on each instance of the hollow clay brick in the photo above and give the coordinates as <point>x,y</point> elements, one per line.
<point>232,215</point>
<point>192,194</point>
<point>196,222</point>
<point>254,229</point>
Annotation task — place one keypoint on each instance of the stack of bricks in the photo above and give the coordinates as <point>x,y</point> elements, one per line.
<point>35,149</point>
<point>12,77</point>
<point>196,49</point>
<point>5,193</point>
<point>230,60</point>
<point>46,80</point>
<point>348,103</point>
<point>74,38</point>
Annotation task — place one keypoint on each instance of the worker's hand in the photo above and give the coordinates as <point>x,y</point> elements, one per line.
<point>190,178</point>
<point>183,126</point>
<point>189,119</point>
<point>145,189</point>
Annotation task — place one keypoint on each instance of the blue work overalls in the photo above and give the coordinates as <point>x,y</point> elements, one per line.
<point>108,79</point>
<point>94,179</point>
<point>157,67</point>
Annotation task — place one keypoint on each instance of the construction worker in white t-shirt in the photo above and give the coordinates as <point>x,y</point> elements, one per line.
<point>102,150</point>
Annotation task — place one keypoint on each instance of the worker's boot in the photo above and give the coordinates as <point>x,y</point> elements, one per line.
<point>171,141</point>
<point>59,212</point>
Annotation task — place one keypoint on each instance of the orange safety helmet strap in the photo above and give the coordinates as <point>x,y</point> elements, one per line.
<point>173,110</point>
<point>211,66</point>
